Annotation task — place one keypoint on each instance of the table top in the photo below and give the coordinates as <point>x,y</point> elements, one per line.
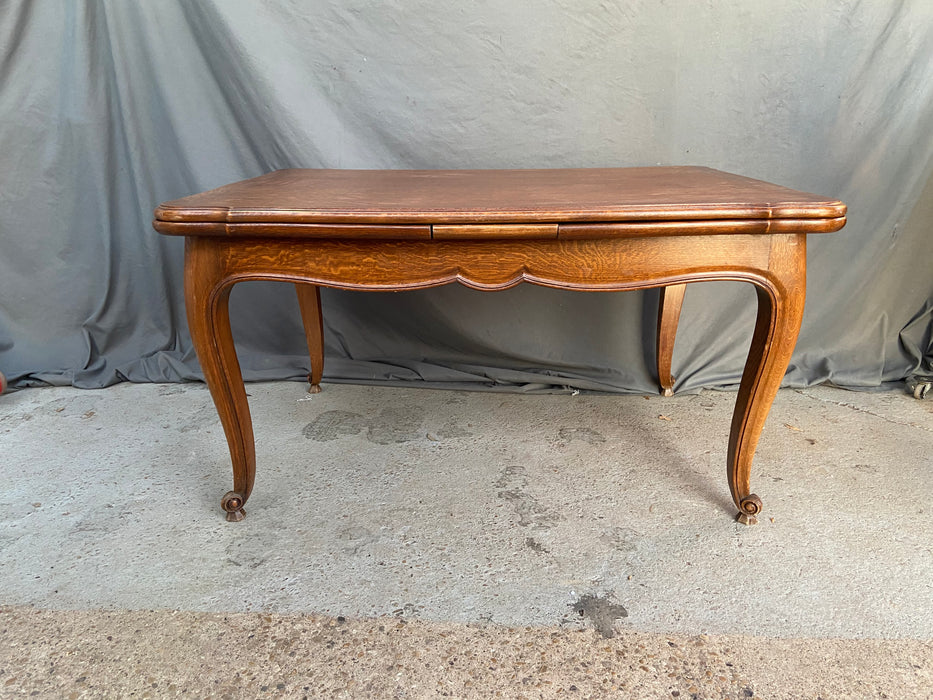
<point>477,197</point>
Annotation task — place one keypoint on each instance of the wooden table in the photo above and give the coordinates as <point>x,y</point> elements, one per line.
<point>584,229</point>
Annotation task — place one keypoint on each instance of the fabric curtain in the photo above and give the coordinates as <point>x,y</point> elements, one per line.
<point>109,108</point>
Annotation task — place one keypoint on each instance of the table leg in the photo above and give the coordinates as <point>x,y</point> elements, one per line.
<point>309,301</point>
<point>207,291</point>
<point>780,311</point>
<point>775,265</point>
<point>672,298</point>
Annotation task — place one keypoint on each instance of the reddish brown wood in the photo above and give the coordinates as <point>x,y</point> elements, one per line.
<point>597,265</point>
<point>781,294</point>
<point>700,227</point>
<point>495,196</point>
<point>672,299</point>
<point>207,293</point>
<point>615,230</point>
<point>497,231</point>
<point>287,230</point>
<point>309,303</point>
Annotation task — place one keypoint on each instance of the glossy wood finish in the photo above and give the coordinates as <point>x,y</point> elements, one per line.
<point>207,305</point>
<point>428,197</point>
<point>669,305</point>
<point>491,231</point>
<point>309,303</point>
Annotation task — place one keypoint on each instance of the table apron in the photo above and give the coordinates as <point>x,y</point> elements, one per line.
<point>585,265</point>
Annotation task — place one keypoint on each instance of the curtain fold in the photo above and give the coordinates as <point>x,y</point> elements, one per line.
<point>108,108</point>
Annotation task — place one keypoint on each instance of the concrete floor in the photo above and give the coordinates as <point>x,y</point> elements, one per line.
<point>601,525</point>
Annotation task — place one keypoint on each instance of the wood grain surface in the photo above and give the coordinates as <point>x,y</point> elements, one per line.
<point>493,196</point>
<point>587,230</point>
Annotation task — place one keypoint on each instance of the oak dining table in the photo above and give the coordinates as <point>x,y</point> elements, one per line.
<point>585,229</point>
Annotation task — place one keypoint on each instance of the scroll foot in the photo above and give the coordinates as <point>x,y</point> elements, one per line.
<point>750,508</point>
<point>232,502</point>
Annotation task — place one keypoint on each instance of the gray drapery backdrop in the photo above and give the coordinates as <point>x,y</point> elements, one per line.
<point>108,108</point>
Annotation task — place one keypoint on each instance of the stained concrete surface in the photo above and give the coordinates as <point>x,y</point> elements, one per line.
<point>607,516</point>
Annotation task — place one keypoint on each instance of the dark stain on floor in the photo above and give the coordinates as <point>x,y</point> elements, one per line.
<point>513,482</point>
<point>331,425</point>
<point>621,539</point>
<point>389,426</point>
<point>601,611</point>
<point>587,435</point>
<point>396,425</point>
<point>536,546</point>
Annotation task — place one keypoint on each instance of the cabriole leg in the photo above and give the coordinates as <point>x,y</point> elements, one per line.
<point>672,299</point>
<point>309,301</point>
<point>780,311</point>
<point>206,302</point>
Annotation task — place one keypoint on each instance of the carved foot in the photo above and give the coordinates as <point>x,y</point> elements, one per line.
<point>232,502</point>
<point>750,508</point>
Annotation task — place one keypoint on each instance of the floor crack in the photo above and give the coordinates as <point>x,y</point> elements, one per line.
<point>859,409</point>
